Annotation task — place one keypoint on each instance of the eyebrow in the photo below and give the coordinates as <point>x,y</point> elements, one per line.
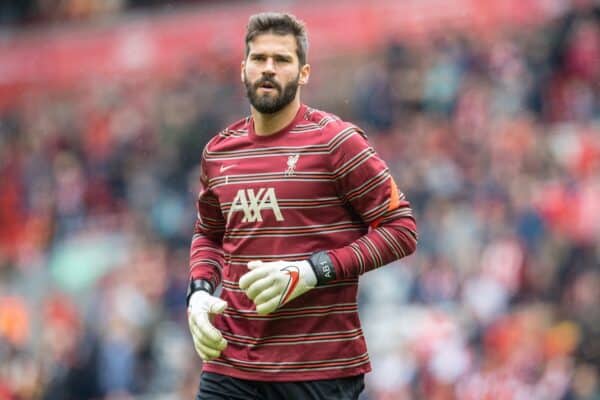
<point>286,56</point>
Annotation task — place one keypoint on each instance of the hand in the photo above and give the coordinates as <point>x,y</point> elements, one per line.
<point>272,284</point>
<point>208,341</point>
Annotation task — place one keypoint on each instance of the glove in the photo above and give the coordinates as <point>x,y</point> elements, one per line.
<point>208,341</point>
<point>272,284</point>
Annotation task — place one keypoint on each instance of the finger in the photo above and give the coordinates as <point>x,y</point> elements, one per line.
<point>197,334</point>
<point>205,328</point>
<point>207,351</point>
<point>200,337</point>
<point>254,264</point>
<point>251,276</point>
<point>203,356</point>
<point>219,344</point>
<point>269,306</point>
<point>193,327</point>
<point>267,295</point>
<point>197,321</point>
<point>218,306</point>
<point>261,285</point>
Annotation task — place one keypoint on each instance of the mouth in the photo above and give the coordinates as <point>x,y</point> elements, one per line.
<point>267,86</point>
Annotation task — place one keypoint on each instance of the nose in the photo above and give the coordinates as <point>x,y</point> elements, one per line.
<point>269,66</point>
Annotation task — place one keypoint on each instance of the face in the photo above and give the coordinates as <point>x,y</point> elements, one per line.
<point>272,73</point>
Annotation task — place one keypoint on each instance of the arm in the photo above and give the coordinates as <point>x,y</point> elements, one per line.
<point>206,252</point>
<point>206,260</point>
<point>363,181</point>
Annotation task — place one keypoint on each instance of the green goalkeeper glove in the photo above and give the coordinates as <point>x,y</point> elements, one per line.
<point>272,284</point>
<point>208,341</point>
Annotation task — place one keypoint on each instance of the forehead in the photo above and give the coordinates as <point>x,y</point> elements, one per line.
<point>273,43</point>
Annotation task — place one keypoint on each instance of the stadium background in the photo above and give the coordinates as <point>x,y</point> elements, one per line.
<point>486,111</point>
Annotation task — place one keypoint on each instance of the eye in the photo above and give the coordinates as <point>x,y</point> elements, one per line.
<point>258,57</point>
<point>283,59</point>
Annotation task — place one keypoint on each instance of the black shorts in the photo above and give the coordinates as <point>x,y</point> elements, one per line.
<point>220,387</point>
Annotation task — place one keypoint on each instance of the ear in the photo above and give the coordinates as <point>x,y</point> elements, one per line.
<point>242,67</point>
<point>304,74</point>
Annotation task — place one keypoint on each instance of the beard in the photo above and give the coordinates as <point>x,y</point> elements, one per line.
<point>268,104</point>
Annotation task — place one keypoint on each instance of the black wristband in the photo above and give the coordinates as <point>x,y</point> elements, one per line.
<point>323,267</point>
<point>198,284</point>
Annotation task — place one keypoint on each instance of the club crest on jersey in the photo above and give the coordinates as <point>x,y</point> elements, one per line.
<point>253,204</point>
<point>291,163</point>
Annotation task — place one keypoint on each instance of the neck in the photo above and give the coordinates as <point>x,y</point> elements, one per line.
<point>268,124</point>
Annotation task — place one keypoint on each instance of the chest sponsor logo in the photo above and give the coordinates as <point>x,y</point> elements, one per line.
<point>253,204</point>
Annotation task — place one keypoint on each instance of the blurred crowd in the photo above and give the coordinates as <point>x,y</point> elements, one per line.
<point>18,13</point>
<point>494,139</point>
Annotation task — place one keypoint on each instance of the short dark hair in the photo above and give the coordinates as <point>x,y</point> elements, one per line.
<point>279,24</point>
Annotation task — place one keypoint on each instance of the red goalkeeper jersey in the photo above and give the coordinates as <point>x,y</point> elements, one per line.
<point>315,185</point>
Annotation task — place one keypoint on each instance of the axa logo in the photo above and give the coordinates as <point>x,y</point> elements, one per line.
<point>253,204</point>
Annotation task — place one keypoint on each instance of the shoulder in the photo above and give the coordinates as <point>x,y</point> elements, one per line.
<point>231,133</point>
<point>333,129</point>
<point>330,125</point>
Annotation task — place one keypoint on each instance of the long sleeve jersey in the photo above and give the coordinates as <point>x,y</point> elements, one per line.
<point>315,185</point>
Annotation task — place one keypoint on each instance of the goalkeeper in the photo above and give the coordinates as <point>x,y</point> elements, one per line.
<point>294,206</point>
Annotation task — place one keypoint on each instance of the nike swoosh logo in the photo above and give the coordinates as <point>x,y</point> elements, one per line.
<point>292,283</point>
<point>226,167</point>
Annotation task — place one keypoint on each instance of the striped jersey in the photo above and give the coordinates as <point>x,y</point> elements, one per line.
<point>315,185</point>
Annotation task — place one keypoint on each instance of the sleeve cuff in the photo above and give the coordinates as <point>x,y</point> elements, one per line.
<point>196,285</point>
<point>323,267</point>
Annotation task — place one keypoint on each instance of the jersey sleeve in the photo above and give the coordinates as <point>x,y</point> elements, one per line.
<point>363,181</point>
<point>206,252</point>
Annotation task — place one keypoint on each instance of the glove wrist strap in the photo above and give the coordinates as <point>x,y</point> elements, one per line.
<point>198,284</point>
<point>323,267</point>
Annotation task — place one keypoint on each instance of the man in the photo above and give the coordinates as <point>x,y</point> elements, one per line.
<point>294,206</point>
